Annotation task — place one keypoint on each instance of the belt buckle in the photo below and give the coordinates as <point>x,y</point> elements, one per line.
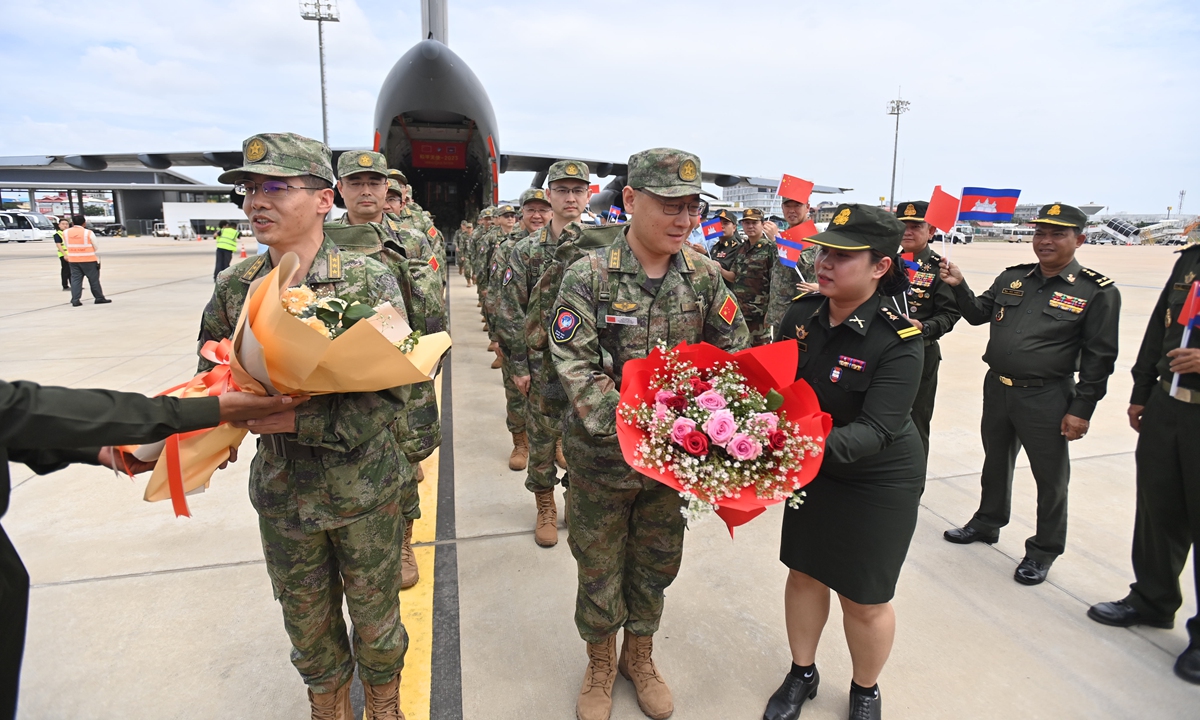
<point>1184,394</point>
<point>1005,381</point>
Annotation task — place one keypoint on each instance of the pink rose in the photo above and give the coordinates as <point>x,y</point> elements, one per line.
<point>769,420</point>
<point>710,400</point>
<point>660,411</point>
<point>743,447</point>
<point>681,428</point>
<point>662,396</point>
<point>720,426</point>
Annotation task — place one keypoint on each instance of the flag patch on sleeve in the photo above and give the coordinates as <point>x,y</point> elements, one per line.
<point>566,321</point>
<point>433,263</point>
<point>729,309</point>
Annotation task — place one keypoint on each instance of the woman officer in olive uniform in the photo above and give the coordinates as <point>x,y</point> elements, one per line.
<point>851,534</point>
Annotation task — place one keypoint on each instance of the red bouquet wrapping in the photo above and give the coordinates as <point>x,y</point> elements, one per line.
<point>736,432</point>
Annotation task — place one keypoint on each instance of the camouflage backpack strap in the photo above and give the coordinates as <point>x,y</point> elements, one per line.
<point>1095,277</point>
<point>906,330</point>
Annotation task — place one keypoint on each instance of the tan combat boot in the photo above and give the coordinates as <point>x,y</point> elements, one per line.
<point>595,698</point>
<point>519,457</point>
<point>408,559</point>
<point>420,472</point>
<point>331,706</point>
<point>654,697</point>
<point>383,701</point>
<point>545,530</point>
<point>497,364</point>
<point>559,459</point>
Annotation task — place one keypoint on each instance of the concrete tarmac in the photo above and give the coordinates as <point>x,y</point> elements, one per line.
<point>137,614</point>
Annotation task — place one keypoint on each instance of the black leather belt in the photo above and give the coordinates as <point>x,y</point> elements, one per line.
<point>290,449</point>
<point>1014,382</point>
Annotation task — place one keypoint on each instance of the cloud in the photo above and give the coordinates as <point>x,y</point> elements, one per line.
<point>1074,101</point>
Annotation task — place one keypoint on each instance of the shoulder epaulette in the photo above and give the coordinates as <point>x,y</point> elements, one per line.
<point>614,258</point>
<point>1190,246</point>
<point>687,259</point>
<point>1022,266</point>
<point>252,271</point>
<point>1096,277</point>
<point>935,257</point>
<point>805,295</point>
<point>905,329</point>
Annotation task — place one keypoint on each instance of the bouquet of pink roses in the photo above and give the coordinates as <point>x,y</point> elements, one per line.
<point>732,432</point>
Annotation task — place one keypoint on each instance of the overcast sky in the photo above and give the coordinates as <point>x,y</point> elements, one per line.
<point>1078,101</point>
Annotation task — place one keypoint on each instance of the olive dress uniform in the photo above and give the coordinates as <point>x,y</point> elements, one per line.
<point>1168,462</point>
<point>853,530</point>
<point>37,424</point>
<point>1043,331</point>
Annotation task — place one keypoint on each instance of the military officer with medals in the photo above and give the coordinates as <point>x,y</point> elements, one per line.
<point>626,530</point>
<point>852,532</point>
<point>724,249</point>
<point>1049,320</point>
<point>1167,521</point>
<point>930,308</point>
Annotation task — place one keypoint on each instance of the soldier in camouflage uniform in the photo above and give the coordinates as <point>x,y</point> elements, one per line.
<point>460,237</point>
<point>328,477</point>
<point>626,530</point>
<point>485,225</point>
<point>407,253</point>
<point>749,273</point>
<point>520,316</point>
<point>408,214</point>
<point>788,283</point>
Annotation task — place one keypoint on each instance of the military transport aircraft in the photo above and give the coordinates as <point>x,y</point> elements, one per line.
<point>433,121</point>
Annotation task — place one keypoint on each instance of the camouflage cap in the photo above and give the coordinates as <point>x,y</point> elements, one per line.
<point>532,194</point>
<point>485,213</point>
<point>504,210</point>
<point>397,175</point>
<point>358,161</point>
<point>862,227</point>
<point>568,170</point>
<point>394,186</point>
<point>282,155</point>
<point>1059,214</point>
<point>752,214</point>
<point>666,172</point>
<point>912,211</point>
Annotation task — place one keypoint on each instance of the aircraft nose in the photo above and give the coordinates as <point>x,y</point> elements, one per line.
<point>430,50</point>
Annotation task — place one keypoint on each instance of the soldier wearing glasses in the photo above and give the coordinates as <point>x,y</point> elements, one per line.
<point>626,530</point>
<point>328,476</point>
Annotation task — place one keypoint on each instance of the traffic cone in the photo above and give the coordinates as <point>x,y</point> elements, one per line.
<point>242,247</point>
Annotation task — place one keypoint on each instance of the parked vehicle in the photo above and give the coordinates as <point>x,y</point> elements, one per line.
<point>160,230</point>
<point>25,226</point>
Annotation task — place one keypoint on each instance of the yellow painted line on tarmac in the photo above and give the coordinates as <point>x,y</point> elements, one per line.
<point>416,603</point>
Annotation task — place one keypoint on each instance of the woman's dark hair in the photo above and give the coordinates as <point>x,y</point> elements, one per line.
<point>895,282</point>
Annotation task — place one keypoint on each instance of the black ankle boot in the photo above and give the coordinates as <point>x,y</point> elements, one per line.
<point>785,704</point>
<point>866,705</point>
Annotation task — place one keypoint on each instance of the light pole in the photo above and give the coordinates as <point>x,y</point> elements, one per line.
<point>322,11</point>
<point>896,107</point>
<point>1181,194</point>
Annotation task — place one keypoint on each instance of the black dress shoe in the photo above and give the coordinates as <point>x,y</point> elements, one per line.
<point>1187,667</point>
<point>968,535</point>
<point>1122,614</point>
<point>1031,572</point>
<point>785,704</point>
<point>103,301</point>
<point>866,707</point>
<point>76,304</point>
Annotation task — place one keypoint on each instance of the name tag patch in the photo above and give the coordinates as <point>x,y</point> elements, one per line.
<point>1010,291</point>
<point>620,320</point>
<point>1066,302</point>
<point>566,322</point>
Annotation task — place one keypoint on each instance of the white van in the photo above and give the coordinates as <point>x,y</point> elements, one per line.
<point>26,226</point>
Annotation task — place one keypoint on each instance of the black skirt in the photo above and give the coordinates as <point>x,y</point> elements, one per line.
<point>854,535</point>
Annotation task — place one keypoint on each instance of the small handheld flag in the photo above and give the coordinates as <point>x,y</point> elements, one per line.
<point>801,232</point>
<point>910,264</point>
<point>794,188</point>
<point>711,228</point>
<point>942,211</point>
<point>614,213</point>
<point>988,205</point>
<point>791,242</point>
<point>1189,317</point>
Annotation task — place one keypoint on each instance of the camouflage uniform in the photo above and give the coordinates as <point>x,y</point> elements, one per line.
<point>626,530</point>
<point>516,404</point>
<point>328,496</point>
<point>751,270</point>
<point>783,287</point>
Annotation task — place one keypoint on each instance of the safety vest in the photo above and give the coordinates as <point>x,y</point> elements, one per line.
<point>227,239</point>
<point>58,244</point>
<point>80,247</point>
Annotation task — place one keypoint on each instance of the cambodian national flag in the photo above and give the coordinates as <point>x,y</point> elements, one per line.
<point>789,251</point>
<point>911,265</point>
<point>711,228</point>
<point>1190,315</point>
<point>988,205</point>
<point>614,213</point>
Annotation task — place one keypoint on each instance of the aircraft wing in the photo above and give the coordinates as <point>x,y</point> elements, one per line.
<point>224,159</point>
<point>540,164</point>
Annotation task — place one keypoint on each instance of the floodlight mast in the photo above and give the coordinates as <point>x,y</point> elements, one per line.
<point>322,11</point>
<point>896,107</point>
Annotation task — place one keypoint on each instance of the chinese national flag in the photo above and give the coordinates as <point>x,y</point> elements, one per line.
<point>594,189</point>
<point>943,210</point>
<point>801,232</point>
<point>728,311</point>
<point>793,188</point>
<point>433,263</point>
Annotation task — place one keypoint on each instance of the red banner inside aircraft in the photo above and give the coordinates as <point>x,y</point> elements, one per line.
<point>447,155</point>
